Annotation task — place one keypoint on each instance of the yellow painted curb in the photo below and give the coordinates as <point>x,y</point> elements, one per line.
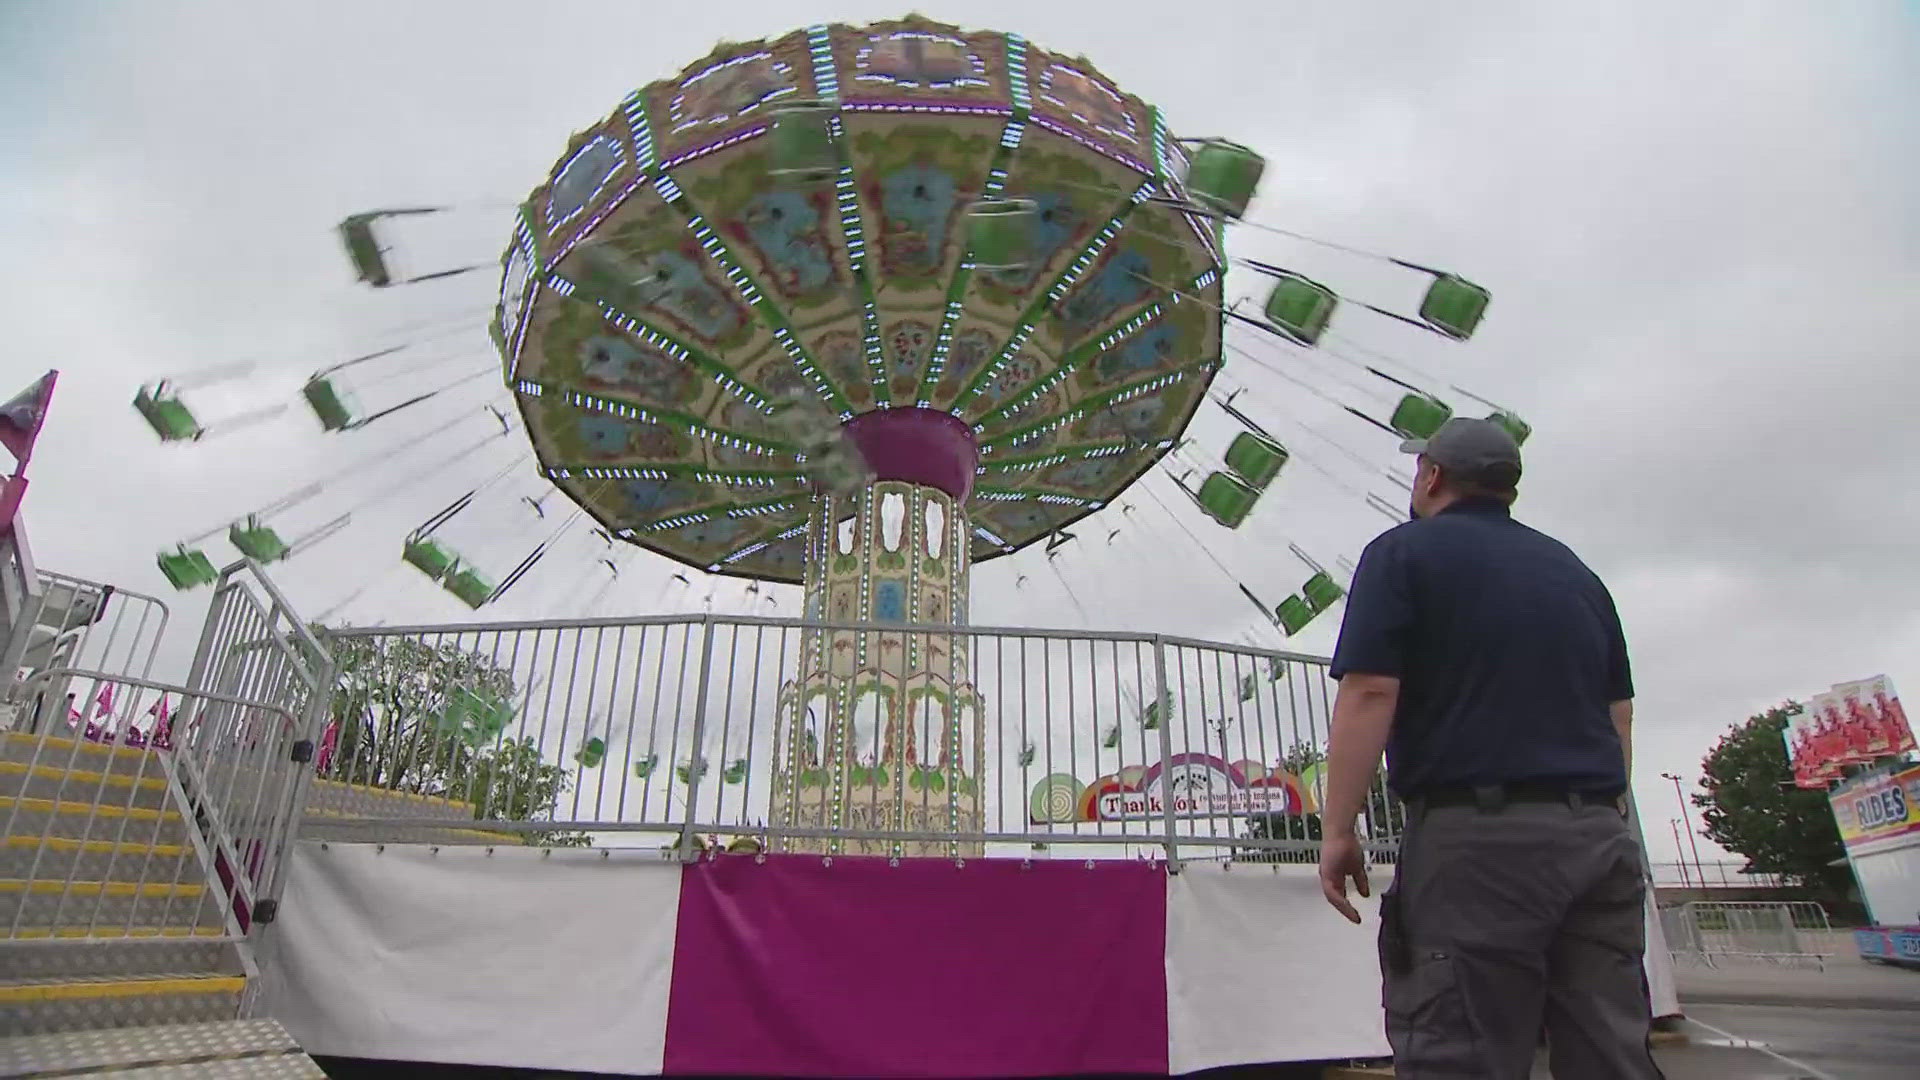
<point>121,988</point>
<point>42,933</point>
<point>85,776</point>
<point>98,847</point>
<point>66,806</point>
<point>347,820</point>
<point>103,888</point>
<point>389,793</point>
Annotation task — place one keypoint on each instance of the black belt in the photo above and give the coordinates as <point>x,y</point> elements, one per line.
<point>1494,796</point>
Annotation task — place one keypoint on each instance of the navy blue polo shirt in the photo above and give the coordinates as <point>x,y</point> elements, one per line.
<point>1507,647</point>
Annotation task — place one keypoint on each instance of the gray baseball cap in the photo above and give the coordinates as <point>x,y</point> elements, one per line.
<point>1468,447</point>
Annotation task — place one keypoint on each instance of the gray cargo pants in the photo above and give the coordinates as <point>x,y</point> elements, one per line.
<point>1500,921</point>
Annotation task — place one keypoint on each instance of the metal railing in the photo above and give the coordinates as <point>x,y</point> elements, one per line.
<point>1709,932</point>
<point>100,833</point>
<point>1712,875</point>
<point>68,622</point>
<point>261,681</point>
<point>687,731</point>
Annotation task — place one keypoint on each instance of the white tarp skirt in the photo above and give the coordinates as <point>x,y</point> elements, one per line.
<point>1259,968</point>
<point>557,960</point>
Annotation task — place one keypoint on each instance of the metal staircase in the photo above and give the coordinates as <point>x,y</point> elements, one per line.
<point>110,917</point>
<point>140,825</point>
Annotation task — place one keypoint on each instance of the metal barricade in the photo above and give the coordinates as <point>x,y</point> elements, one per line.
<point>67,622</point>
<point>1794,932</point>
<point>261,680</point>
<point>99,818</point>
<point>782,734</point>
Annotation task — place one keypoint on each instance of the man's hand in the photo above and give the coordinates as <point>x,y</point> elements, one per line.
<point>1340,859</point>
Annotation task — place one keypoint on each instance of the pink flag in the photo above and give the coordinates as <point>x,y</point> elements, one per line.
<point>103,701</point>
<point>162,725</point>
<point>22,417</point>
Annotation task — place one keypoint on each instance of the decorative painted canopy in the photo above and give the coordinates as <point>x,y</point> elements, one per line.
<point>683,272</point>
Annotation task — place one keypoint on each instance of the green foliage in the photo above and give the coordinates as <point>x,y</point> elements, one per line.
<point>1383,812</point>
<point>404,709</point>
<point>1281,827</point>
<point>1751,807</point>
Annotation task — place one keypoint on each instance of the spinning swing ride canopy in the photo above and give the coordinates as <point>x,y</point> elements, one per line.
<point>978,260</point>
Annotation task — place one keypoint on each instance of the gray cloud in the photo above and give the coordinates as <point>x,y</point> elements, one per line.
<point>1700,232</point>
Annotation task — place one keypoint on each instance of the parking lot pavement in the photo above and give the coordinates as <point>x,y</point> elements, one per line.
<point>1846,982</point>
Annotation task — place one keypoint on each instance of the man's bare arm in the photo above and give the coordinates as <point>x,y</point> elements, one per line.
<point>1362,718</point>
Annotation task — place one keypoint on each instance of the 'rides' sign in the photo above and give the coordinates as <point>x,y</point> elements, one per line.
<point>1877,807</point>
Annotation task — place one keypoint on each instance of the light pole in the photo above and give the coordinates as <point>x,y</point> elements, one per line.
<point>1685,881</point>
<point>1692,841</point>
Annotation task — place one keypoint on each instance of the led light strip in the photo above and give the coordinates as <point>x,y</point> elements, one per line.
<point>1017,74</point>
<point>636,109</point>
<point>826,80</point>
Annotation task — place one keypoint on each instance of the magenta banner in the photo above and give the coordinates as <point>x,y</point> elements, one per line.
<point>863,969</point>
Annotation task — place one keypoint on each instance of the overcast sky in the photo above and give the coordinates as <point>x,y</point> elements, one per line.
<point>1698,222</point>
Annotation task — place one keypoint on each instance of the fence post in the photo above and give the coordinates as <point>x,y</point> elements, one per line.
<point>687,851</point>
<point>1166,748</point>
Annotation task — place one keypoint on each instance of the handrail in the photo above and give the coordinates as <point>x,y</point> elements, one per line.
<point>777,622</point>
<point>280,601</point>
<point>149,684</point>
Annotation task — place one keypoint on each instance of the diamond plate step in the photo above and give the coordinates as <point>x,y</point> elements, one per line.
<point>58,903</point>
<point>70,933</point>
<point>235,1049</point>
<point>95,860</point>
<point>175,1046</point>
<point>92,958</point>
<point>56,781</point>
<point>77,820</point>
<point>32,1007</point>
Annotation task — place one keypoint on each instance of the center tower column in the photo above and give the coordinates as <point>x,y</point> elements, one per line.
<point>882,729</point>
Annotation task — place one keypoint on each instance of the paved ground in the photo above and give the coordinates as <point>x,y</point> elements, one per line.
<point>1746,1021</point>
<point>1753,1021</point>
<point>1848,981</point>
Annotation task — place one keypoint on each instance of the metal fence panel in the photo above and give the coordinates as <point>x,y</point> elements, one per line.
<point>260,680</point>
<point>100,819</point>
<point>67,622</point>
<point>1711,932</point>
<point>855,738</point>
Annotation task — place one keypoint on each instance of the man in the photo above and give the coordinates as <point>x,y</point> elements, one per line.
<point>1488,661</point>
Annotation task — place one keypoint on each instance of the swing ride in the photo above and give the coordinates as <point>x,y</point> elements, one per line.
<point>856,308</point>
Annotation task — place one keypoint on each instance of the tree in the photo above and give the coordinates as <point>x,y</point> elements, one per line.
<point>428,719</point>
<point>1383,812</point>
<point>1752,807</point>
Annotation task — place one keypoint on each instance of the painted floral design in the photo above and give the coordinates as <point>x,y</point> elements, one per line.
<point>652,498</point>
<point>621,366</point>
<point>1139,354</point>
<point>840,353</point>
<point>1123,280</point>
<point>917,204</point>
<point>970,349</point>
<point>909,345</point>
<point>1008,381</point>
<point>611,437</point>
<point>1087,474</point>
<point>785,227</point>
<point>1137,419</point>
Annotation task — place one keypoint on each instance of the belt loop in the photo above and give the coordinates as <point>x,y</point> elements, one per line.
<point>1489,798</point>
